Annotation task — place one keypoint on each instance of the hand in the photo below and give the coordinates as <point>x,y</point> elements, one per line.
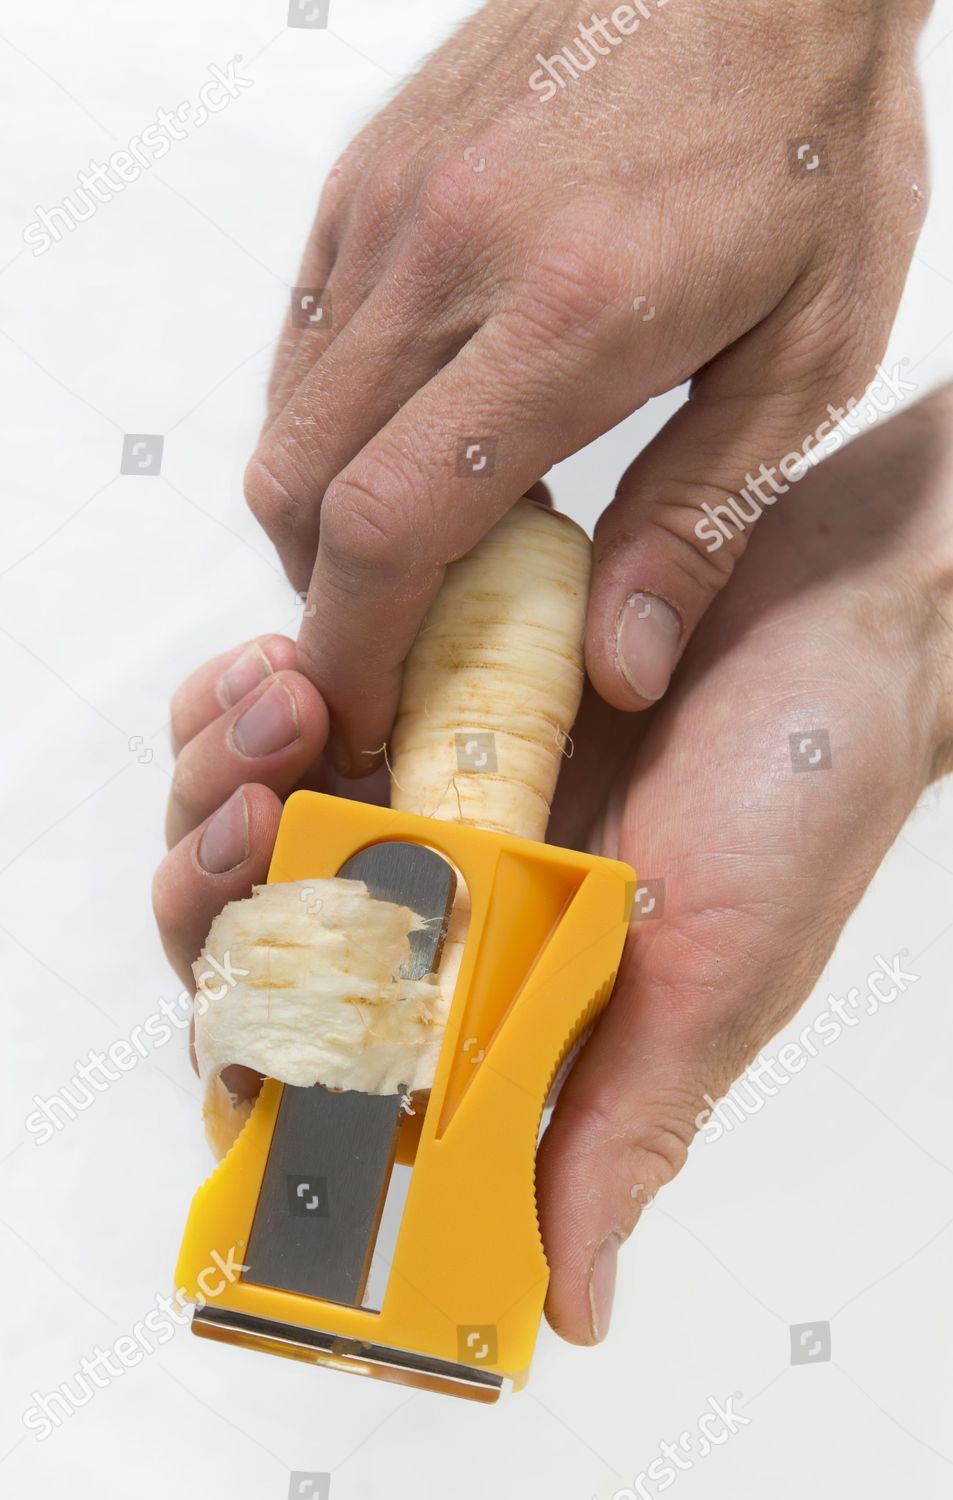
<point>504,265</point>
<point>247,729</point>
<point>840,618</point>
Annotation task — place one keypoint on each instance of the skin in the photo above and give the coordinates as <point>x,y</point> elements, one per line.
<point>492,259</point>
<point>840,616</point>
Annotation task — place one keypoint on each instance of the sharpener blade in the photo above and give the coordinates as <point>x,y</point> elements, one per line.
<point>331,1153</point>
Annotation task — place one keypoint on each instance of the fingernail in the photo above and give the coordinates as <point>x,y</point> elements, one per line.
<point>356,766</point>
<point>251,668</point>
<point>647,637</point>
<point>602,1285</point>
<point>339,755</point>
<point>224,844</point>
<point>270,724</point>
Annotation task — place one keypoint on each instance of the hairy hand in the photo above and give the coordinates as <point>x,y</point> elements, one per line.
<point>551,223</point>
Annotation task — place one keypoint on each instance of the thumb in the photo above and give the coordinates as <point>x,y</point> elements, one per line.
<point>620,1131</point>
<point>689,1012</point>
<point>685,508</point>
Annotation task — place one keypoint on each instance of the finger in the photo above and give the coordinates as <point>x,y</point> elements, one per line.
<point>314,277</point>
<point>218,862</point>
<point>220,683</point>
<point>320,313</point>
<point>690,1010</point>
<point>271,736</point>
<point>421,494</point>
<point>363,201</point>
<point>620,1131</point>
<point>377,363</point>
<point>684,510</point>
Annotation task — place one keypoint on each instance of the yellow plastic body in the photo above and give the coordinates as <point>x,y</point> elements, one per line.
<point>541,954</point>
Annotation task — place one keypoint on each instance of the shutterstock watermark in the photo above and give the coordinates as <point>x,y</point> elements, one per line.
<point>97,1371</point>
<point>95,1075</point>
<point>766,1076</point>
<point>101,182</point>
<point>713,1429</point>
<point>554,72</point>
<point>884,395</point>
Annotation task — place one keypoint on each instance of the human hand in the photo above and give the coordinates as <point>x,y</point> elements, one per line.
<point>247,729</point>
<point>530,270</point>
<point>839,619</point>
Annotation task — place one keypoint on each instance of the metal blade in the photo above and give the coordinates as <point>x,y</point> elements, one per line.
<point>404,1366</point>
<point>331,1153</point>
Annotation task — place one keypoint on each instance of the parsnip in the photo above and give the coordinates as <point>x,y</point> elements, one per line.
<point>490,692</point>
<point>497,665</point>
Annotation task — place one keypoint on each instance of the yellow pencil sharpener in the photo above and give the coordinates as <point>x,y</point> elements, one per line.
<point>302,1191</point>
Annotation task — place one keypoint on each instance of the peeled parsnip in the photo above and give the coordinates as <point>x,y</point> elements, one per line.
<point>496,672</point>
<point>490,692</point>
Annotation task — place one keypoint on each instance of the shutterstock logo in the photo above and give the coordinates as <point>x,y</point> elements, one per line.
<point>101,182</point>
<point>729,518</point>
<point>712,1429</point>
<point>593,40</point>
<point>769,1074</point>
<point>160,1322</point>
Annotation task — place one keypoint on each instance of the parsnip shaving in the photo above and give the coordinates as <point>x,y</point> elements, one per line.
<point>301,982</point>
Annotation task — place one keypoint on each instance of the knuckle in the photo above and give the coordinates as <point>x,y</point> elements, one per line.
<point>383,191</point>
<point>572,282</point>
<point>186,792</point>
<point>703,553</point>
<point>833,330</point>
<point>180,715</point>
<point>278,375</point>
<point>701,535</point>
<point>270,500</point>
<point>652,1146</point>
<point>362,525</point>
<point>330,219</point>
<point>336,193</point>
<point>447,206</point>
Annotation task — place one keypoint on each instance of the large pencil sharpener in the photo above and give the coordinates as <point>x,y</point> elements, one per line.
<point>305,1193</point>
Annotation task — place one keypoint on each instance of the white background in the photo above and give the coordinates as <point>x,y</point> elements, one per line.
<point>835,1202</point>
